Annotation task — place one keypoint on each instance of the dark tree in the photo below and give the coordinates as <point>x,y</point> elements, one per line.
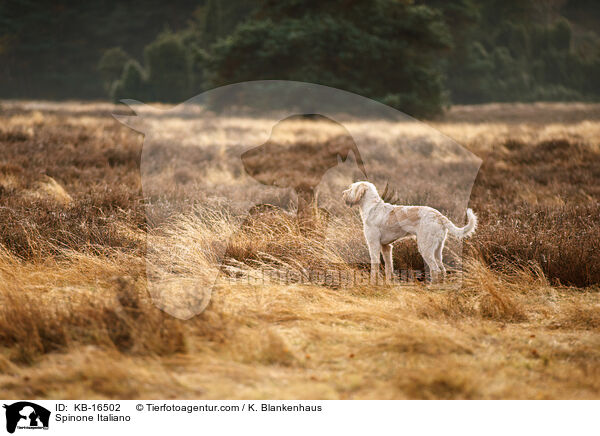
<point>384,49</point>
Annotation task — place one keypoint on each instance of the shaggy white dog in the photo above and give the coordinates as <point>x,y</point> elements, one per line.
<point>385,223</point>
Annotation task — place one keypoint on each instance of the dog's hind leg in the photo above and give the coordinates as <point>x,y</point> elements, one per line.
<point>439,254</point>
<point>427,248</point>
<point>386,250</point>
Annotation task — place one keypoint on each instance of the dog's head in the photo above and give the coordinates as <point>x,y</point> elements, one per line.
<point>355,192</point>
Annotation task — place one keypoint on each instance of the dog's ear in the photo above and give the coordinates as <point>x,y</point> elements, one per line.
<point>360,191</point>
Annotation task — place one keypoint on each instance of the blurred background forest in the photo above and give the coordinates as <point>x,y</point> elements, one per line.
<point>418,56</point>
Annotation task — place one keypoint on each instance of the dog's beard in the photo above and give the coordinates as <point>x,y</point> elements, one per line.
<point>351,201</point>
<point>347,199</point>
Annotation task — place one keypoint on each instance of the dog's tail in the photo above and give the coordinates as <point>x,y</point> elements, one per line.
<point>466,231</point>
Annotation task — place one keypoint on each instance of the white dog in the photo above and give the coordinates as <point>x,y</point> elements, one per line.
<point>384,223</point>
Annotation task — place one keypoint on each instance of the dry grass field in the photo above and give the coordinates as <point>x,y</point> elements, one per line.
<point>76,320</point>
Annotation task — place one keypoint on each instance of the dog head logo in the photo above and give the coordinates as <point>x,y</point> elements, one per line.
<point>26,415</point>
<point>301,164</point>
<point>291,147</point>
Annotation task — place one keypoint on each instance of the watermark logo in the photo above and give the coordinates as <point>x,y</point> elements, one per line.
<point>245,181</point>
<point>25,415</point>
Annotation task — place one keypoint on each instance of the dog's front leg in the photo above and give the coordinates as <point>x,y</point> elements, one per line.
<point>373,237</point>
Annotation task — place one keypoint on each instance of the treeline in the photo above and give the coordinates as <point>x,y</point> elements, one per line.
<point>417,55</point>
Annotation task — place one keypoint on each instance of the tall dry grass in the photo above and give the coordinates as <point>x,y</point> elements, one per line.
<point>76,319</point>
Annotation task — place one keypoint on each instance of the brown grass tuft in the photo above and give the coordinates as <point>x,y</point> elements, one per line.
<point>32,328</point>
<point>437,384</point>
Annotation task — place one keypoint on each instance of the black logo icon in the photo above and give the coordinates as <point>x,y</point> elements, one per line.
<point>26,415</point>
